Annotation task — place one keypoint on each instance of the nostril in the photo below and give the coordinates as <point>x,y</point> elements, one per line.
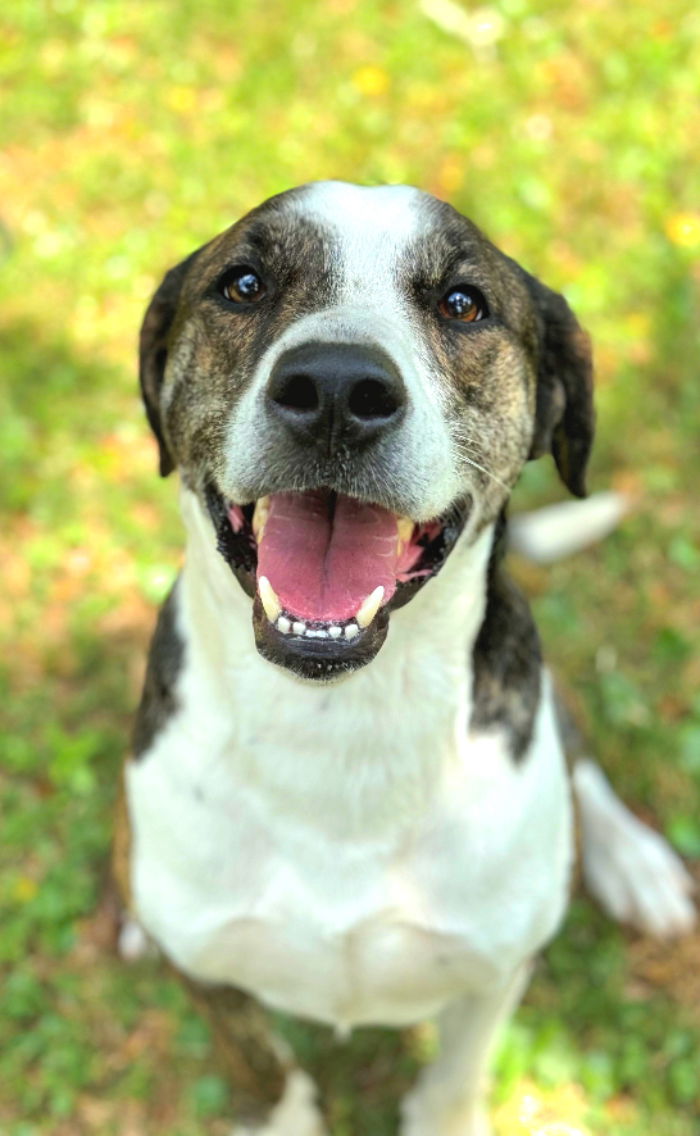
<point>370,399</point>
<point>333,393</point>
<point>298,392</point>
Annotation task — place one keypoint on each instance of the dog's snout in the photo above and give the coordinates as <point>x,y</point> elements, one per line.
<point>330,393</point>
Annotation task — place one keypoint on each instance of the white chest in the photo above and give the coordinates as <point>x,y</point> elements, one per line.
<point>354,865</point>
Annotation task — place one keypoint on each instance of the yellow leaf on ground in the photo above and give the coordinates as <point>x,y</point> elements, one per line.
<point>371,80</point>
<point>683,230</point>
<point>25,889</point>
<point>181,99</point>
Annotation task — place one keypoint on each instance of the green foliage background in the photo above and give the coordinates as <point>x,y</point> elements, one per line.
<point>131,133</point>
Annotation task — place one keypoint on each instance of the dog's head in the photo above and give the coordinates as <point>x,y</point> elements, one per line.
<point>347,378</point>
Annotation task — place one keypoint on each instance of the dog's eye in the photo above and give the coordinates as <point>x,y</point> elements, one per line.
<point>243,286</point>
<point>464,303</point>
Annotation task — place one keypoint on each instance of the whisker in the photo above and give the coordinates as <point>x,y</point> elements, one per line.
<point>464,442</point>
<point>488,473</point>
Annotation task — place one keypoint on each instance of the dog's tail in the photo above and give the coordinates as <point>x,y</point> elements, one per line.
<point>556,531</point>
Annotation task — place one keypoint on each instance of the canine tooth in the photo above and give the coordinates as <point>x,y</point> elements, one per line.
<point>260,514</point>
<point>271,605</point>
<point>404,526</point>
<point>335,632</point>
<point>284,625</point>
<point>351,630</point>
<point>369,607</point>
<point>298,628</point>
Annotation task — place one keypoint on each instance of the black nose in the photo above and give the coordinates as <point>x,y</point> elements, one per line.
<point>334,393</point>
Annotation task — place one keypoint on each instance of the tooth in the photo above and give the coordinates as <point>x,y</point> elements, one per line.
<point>351,630</point>
<point>298,628</point>
<point>315,633</point>
<point>260,514</point>
<point>369,607</point>
<point>404,531</point>
<point>404,526</point>
<point>272,606</point>
<point>335,632</point>
<point>284,625</point>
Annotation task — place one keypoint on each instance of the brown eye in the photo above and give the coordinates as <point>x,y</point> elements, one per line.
<point>243,286</point>
<point>464,303</point>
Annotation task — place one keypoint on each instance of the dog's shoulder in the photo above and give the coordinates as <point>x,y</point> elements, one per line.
<point>506,659</point>
<point>165,663</point>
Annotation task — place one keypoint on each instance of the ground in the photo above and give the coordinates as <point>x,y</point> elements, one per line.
<point>131,133</point>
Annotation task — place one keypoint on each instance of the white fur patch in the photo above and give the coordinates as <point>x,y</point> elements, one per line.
<point>345,852</point>
<point>374,225</point>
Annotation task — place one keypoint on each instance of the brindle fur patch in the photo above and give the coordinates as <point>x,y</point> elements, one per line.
<point>511,386</point>
<point>507,661</point>
<point>214,345</point>
<point>159,697</point>
<point>490,366</point>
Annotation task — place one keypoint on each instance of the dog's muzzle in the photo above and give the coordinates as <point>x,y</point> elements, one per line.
<point>324,560</point>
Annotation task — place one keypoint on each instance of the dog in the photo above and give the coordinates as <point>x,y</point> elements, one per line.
<point>348,800</point>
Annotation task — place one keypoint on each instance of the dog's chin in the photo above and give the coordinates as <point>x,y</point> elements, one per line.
<point>317,660</point>
<point>325,571</point>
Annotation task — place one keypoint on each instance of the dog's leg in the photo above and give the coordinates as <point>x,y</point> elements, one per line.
<point>628,868</point>
<point>449,1097</point>
<point>632,871</point>
<point>271,1097</point>
<point>295,1114</point>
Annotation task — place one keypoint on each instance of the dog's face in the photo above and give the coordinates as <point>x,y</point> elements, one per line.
<point>348,378</point>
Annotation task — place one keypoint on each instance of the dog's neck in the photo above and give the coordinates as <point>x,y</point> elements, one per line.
<point>373,738</point>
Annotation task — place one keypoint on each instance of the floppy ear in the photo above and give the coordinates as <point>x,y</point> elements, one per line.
<point>153,351</point>
<point>565,418</point>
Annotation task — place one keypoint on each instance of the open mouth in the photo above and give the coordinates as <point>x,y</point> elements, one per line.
<point>325,570</point>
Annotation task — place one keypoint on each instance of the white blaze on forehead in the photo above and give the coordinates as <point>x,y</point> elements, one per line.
<point>372,225</point>
<point>367,233</point>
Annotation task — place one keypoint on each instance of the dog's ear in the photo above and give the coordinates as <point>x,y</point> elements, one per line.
<point>153,351</point>
<point>565,418</point>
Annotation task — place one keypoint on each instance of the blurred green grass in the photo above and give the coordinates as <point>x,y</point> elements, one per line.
<point>133,132</point>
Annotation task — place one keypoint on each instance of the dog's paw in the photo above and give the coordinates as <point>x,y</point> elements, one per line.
<point>632,871</point>
<point>455,1126</point>
<point>424,1114</point>
<point>295,1115</point>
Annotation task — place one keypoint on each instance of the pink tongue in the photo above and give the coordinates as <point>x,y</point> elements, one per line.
<point>322,567</point>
